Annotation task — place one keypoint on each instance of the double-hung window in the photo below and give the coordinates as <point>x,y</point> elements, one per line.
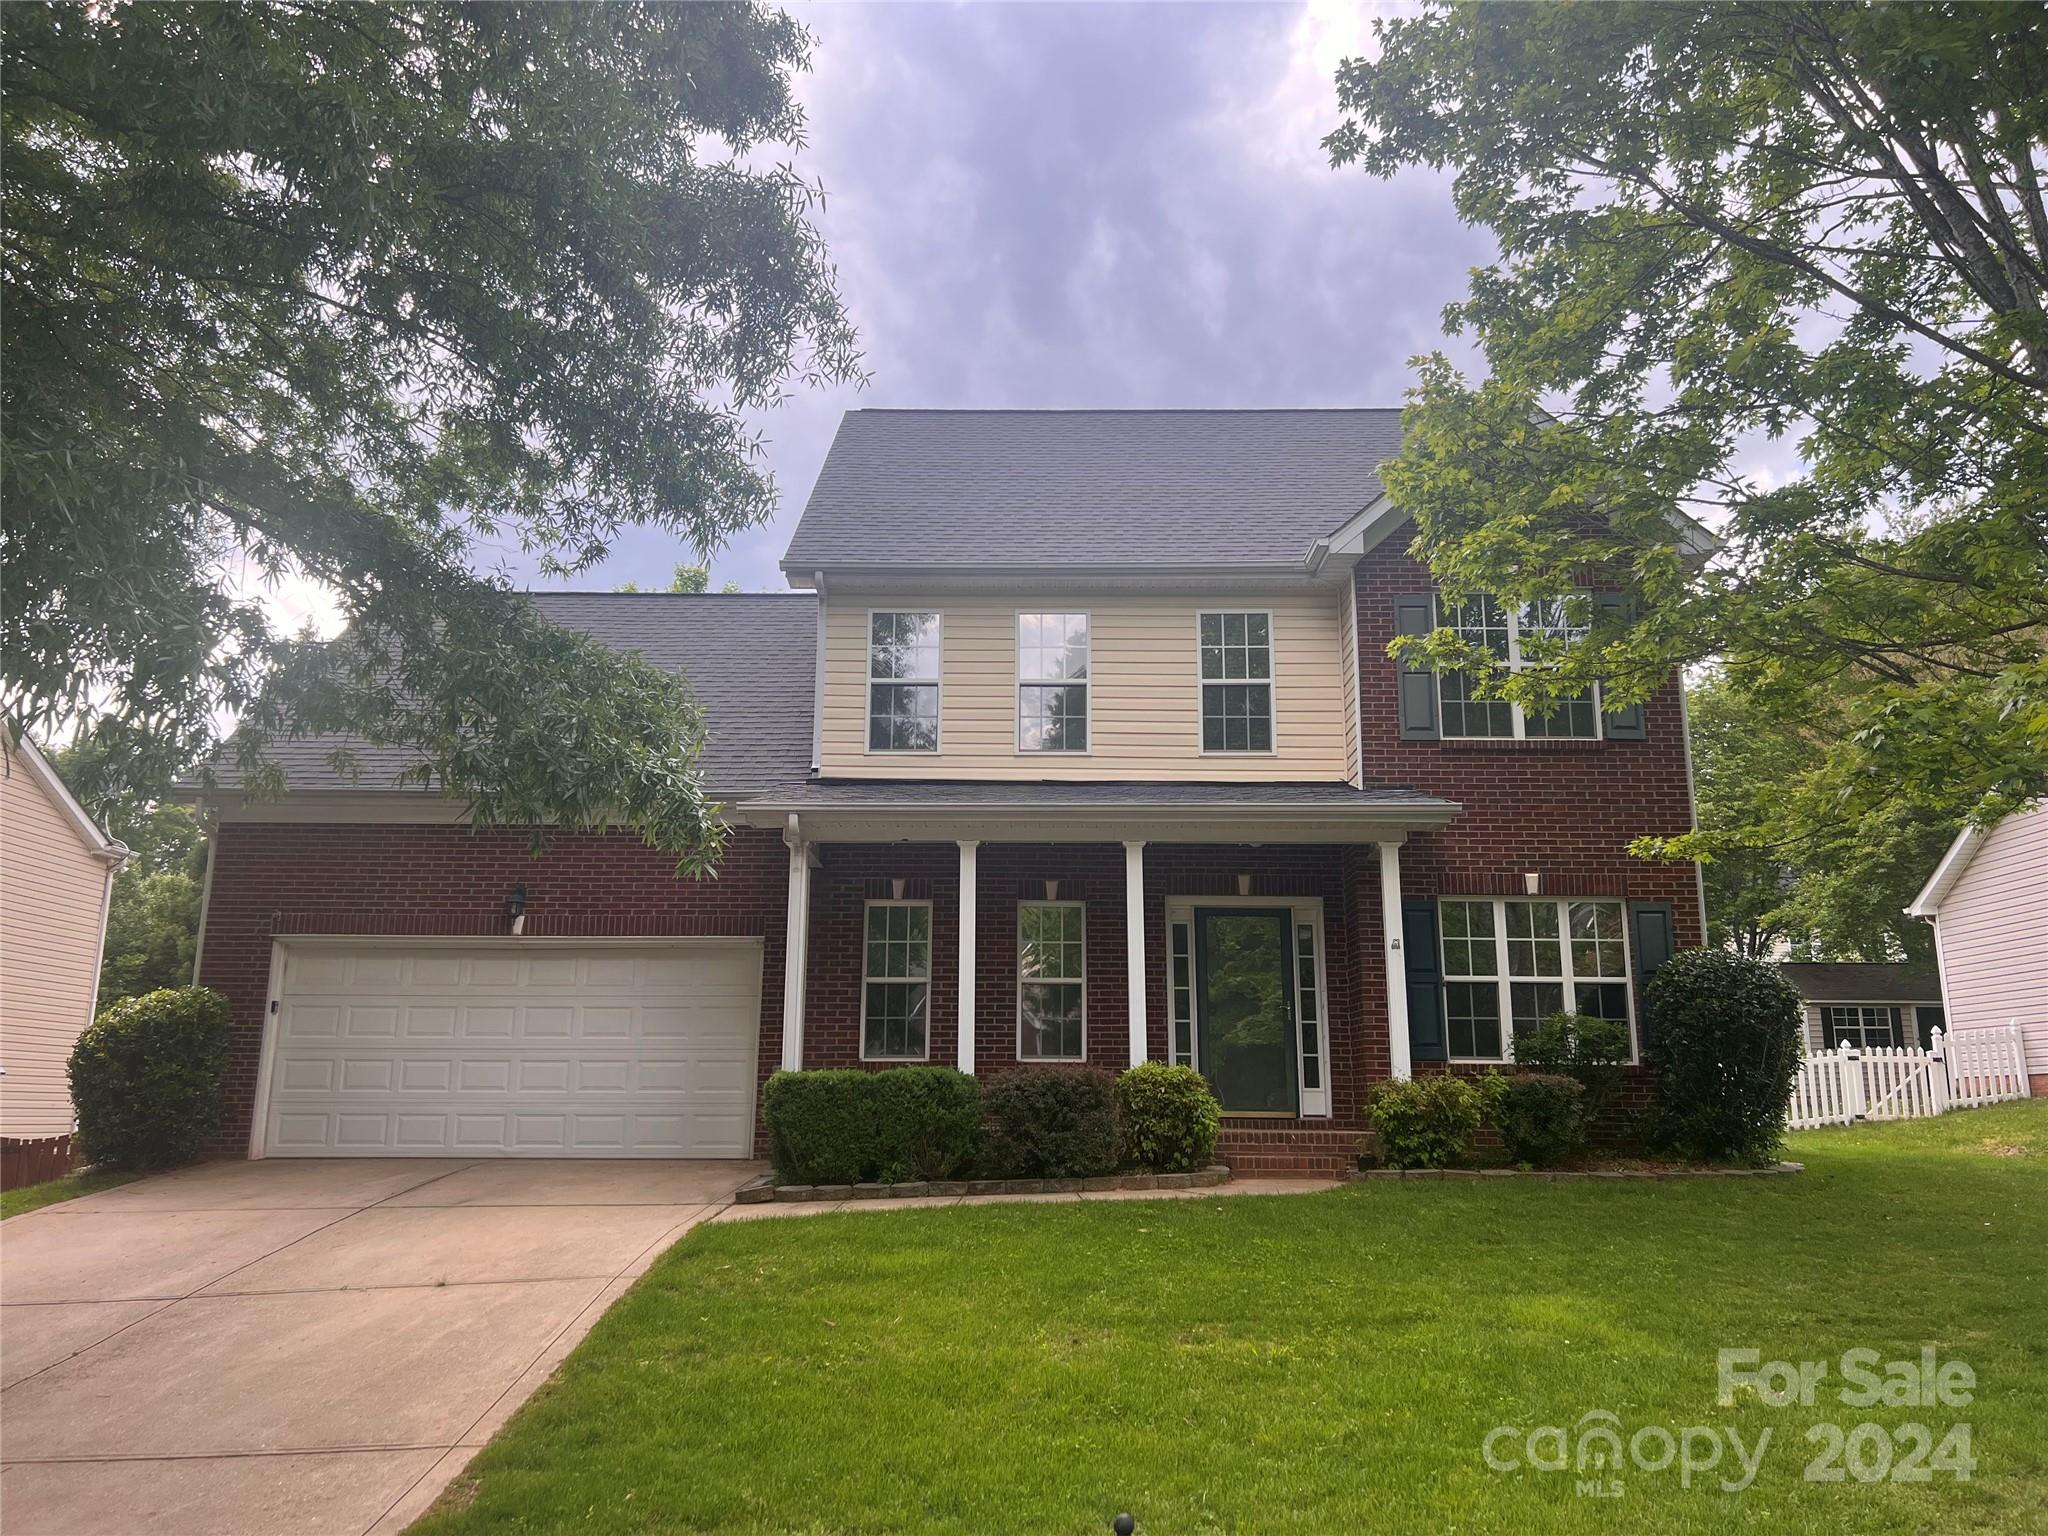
<point>1052,981</point>
<point>1863,1025</point>
<point>1237,682</point>
<point>896,981</point>
<point>1510,964</point>
<point>1052,682</point>
<point>903,682</point>
<point>1517,639</point>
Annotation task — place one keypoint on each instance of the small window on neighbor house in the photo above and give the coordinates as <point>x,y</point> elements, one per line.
<point>1052,976</point>
<point>1052,682</point>
<point>903,682</point>
<point>1860,1025</point>
<point>896,981</point>
<point>1237,682</point>
<point>1515,638</point>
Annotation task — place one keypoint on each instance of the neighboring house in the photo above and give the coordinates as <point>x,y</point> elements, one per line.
<point>1121,676</point>
<point>56,877</point>
<point>1854,1004</point>
<point>1988,901</point>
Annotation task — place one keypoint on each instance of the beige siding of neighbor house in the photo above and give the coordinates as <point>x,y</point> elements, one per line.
<point>1145,691</point>
<point>52,895</point>
<point>1992,934</point>
<point>1909,1022</point>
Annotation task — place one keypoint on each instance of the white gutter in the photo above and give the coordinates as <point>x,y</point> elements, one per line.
<point>205,890</point>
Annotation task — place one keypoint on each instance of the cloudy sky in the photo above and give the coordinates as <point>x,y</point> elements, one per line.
<point>1096,205</point>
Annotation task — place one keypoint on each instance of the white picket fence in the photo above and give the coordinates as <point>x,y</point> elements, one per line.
<point>1887,1082</point>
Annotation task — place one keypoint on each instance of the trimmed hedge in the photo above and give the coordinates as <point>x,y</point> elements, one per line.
<point>850,1127</point>
<point>1724,1037</point>
<point>1050,1123</point>
<point>146,1076</point>
<point>1167,1117</point>
<point>1542,1118</point>
<point>1423,1122</point>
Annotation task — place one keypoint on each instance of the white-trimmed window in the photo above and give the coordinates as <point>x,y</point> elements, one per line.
<point>1237,682</point>
<point>1508,964</point>
<point>903,682</point>
<point>1052,682</point>
<point>1859,1024</point>
<point>1484,623</point>
<point>1052,981</point>
<point>896,981</point>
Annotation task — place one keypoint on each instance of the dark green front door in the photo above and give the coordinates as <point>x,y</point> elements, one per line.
<point>1245,1008</point>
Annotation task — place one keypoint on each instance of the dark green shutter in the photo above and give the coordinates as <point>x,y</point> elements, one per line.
<point>1622,724</point>
<point>1417,616</point>
<point>1425,982</point>
<point>1654,940</point>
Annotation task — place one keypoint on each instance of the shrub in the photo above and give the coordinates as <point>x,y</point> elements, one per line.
<point>927,1122</point>
<point>849,1127</point>
<point>1724,1037</point>
<point>1423,1122</point>
<point>821,1126</point>
<point>1168,1118</point>
<point>146,1078</point>
<point>1577,1045</point>
<point>1050,1123</point>
<point>1542,1118</point>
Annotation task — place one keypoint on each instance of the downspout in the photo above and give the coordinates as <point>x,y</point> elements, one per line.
<point>1692,801</point>
<point>818,681</point>
<point>205,889</point>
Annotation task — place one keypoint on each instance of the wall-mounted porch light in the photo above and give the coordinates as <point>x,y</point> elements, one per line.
<point>515,908</point>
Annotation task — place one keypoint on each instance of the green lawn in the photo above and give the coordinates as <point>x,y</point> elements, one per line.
<point>1325,1363</point>
<point>33,1197</point>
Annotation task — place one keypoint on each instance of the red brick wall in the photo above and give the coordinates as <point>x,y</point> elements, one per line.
<point>284,878</point>
<point>1563,809</point>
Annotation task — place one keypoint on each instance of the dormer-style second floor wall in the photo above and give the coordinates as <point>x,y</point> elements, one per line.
<point>1206,685</point>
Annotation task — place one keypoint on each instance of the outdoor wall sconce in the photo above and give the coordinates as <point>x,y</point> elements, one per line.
<point>515,908</point>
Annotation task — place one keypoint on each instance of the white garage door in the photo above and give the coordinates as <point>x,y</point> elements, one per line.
<point>514,1049</point>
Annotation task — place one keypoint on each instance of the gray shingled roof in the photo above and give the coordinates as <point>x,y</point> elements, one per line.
<point>1854,982</point>
<point>1050,794</point>
<point>750,658</point>
<point>1066,488</point>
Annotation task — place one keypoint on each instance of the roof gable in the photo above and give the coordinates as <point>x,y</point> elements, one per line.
<point>1026,490</point>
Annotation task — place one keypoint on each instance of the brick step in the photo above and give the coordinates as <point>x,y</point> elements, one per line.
<point>1287,1152</point>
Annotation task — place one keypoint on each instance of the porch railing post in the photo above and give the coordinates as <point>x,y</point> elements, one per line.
<point>795,946</point>
<point>1134,944</point>
<point>968,904</point>
<point>1398,1062</point>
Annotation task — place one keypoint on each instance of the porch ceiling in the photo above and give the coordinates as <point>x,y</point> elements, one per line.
<point>898,810</point>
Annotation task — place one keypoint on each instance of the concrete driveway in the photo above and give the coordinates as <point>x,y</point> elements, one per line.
<point>304,1346</point>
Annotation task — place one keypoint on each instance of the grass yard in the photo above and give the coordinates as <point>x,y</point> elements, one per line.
<point>33,1197</point>
<point>1326,1364</point>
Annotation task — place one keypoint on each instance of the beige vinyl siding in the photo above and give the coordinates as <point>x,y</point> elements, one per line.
<point>1347,659</point>
<point>1145,691</point>
<point>1992,934</point>
<point>52,893</point>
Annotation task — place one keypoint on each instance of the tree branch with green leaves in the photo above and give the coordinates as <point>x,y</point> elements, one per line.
<point>357,295</point>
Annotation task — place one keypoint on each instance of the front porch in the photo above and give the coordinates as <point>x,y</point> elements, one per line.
<point>1255,946</point>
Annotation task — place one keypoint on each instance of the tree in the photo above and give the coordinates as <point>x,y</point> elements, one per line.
<point>1826,888</point>
<point>1722,225</point>
<point>332,291</point>
<point>153,911</point>
<point>688,580</point>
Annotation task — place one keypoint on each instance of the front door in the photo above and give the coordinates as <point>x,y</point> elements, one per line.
<point>1245,1008</point>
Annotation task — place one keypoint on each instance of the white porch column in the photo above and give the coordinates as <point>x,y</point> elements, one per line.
<point>967,913</point>
<point>1134,944</point>
<point>796,946</point>
<point>1397,966</point>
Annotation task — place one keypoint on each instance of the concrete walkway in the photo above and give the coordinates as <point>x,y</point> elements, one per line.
<point>304,1346</point>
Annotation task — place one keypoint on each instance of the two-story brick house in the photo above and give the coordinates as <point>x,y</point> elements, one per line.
<point>1081,743</point>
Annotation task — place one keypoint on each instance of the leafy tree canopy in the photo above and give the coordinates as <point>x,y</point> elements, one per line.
<point>1825,887</point>
<point>359,294</point>
<point>1720,225</point>
<point>688,580</point>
